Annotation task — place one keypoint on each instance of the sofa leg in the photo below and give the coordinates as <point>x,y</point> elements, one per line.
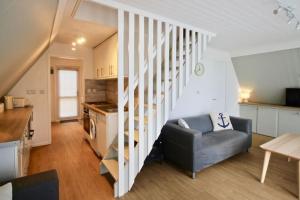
<point>193,175</point>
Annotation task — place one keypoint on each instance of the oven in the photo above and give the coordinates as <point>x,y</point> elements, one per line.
<point>86,120</point>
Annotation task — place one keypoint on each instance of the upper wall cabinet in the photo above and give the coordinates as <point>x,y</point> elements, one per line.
<point>106,59</point>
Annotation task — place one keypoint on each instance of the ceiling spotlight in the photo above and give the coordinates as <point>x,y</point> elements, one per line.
<point>73,44</point>
<point>81,40</point>
<point>73,49</point>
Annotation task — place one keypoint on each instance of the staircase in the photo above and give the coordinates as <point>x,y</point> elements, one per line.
<point>159,56</point>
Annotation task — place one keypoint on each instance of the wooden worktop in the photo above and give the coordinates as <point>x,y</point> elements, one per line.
<point>270,105</point>
<point>13,123</point>
<point>92,107</point>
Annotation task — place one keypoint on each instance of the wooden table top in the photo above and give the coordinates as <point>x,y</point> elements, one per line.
<point>13,123</point>
<point>287,145</point>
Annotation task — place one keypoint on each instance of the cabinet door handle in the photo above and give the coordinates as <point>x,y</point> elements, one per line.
<point>31,134</point>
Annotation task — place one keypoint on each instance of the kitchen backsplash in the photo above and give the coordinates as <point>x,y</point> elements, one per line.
<point>112,91</point>
<point>95,90</point>
<point>102,90</point>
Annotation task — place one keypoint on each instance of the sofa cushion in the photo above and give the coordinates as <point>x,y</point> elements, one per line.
<point>221,121</point>
<point>201,123</point>
<point>218,146</point>
<point>182,123</point>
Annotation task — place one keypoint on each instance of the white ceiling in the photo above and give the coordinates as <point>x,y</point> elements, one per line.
<point>26,29</point>
<point>239,24</point>
<point>72,28</point>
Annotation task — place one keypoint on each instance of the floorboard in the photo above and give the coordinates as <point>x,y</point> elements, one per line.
<point>236,178</point>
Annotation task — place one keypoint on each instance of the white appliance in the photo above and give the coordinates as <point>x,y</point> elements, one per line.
<point>92,136</point>
<point>19,102</point>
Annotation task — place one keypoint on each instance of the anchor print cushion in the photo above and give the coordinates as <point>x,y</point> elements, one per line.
<point>221,121</point>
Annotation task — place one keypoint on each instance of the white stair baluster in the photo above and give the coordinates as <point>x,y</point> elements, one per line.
<point>174,67</point>
<point>120,191</point>
<point>141,92</point>
<point>193,51</point>
<point>187,56</point>
<point>180,61</point>
<point>167,70</point>
<point>150,84</point>
<point>158,79</point>
<point>131,67</point>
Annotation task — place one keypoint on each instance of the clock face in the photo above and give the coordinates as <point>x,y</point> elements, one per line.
<point>199,69</point>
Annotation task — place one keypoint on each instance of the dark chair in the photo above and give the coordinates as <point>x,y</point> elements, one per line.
<point>42,186</point>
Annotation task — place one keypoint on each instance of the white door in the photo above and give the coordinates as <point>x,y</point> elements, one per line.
<point>68,94</point>
<point>267,120</point>
<point>249,112</point>
<point>288,122</point>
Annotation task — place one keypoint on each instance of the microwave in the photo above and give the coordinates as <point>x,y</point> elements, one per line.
<point>20,102</point>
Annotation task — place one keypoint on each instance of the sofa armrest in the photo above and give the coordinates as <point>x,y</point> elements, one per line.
<point>241,124</point>
<point>188,139</point>
<point>43,186</point>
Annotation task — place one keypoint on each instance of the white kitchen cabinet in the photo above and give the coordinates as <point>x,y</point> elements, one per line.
<point>106,131</point>
<point>105,58</point>
<point>14,155</point>
<point>267,118</point>
<point>288,122</point>
<point>250,112</point>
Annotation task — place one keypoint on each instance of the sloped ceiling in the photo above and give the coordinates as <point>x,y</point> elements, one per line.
<point>92,21</point>
<point>25,33</point>
<point>238,24</point>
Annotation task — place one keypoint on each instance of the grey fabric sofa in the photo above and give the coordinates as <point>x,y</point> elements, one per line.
<point>199,147</point>
<point>41,186</point>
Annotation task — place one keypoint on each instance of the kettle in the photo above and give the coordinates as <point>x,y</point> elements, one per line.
<point>8,100</point>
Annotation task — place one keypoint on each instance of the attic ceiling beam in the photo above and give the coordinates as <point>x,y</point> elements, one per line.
<point>118,5</point>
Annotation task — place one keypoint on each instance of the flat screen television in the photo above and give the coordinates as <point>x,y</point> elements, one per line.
<point>293,97</point>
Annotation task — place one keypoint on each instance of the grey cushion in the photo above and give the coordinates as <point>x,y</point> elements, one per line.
<point>217,146</point>
<point>201,123</point>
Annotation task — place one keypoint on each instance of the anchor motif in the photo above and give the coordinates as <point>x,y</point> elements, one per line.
<point>223,125</point>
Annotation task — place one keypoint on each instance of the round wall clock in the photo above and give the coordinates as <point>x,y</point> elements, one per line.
<point>199,69</point>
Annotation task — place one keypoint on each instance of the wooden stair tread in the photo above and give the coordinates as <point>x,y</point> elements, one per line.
<point>136,135</point>
<point>126,150</point>
<point>136,118</point>
<point>153,106</point>
<point>113,167</point>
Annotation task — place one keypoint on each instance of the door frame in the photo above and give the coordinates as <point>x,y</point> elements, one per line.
<point>56,63</point>
<point>57,92</point>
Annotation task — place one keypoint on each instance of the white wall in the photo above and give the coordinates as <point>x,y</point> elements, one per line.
<point>268,74</point>
<point>35,85</point>
<point>217,90</point>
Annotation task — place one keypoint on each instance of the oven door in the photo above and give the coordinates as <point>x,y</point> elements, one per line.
<point>86,122</point>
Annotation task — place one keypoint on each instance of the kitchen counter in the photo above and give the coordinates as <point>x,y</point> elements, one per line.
<point>94,108</point>
<point>270,105</point>
<point>104,109</point>
<point>13,123</point>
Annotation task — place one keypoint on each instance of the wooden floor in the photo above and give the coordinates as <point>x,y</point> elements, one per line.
<point>235,178</point>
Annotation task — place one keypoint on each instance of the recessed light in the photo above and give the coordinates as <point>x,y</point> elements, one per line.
<point>73,49</point>
<point>73,44</point>
<point>81,40</point>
